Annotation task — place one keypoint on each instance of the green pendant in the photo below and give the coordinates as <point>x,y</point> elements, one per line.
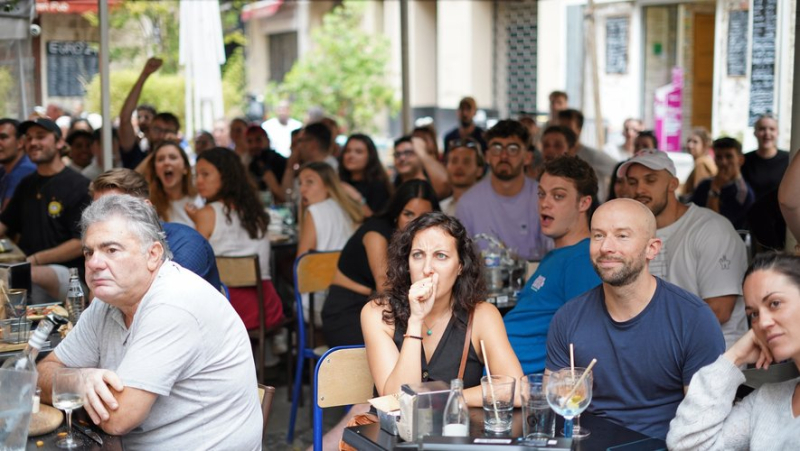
<point>430,332</point>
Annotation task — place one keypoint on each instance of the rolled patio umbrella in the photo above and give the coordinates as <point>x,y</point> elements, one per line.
<point>201,53</point>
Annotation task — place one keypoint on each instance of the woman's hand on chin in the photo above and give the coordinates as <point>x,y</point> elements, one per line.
<point>421,296</point>
<point>750,349</point>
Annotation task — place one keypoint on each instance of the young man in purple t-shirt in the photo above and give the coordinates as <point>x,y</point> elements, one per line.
<point>505,204</point>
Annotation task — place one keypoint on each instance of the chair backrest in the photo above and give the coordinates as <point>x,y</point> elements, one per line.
<point>239,272</point>
<point>314,271</point>
<point>343,377</point>
<point>265,395</point>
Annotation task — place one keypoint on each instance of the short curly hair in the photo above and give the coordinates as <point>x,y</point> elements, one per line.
<point>469,288</point>
<point>508,128</point>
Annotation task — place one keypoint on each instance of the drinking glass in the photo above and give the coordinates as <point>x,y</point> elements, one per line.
<point>17,302</point>
<point>569,394</point>
<point>68,395</point>
<point>498,403</point>
<point>538,419</point>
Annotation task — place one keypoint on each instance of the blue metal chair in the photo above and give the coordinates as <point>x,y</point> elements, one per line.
<point>313,271</point>
<point>332,390</point>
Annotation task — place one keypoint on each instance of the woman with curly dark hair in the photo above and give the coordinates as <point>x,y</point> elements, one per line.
<point>434,302</point>
<point>360,167</point>
<point>235,223</point>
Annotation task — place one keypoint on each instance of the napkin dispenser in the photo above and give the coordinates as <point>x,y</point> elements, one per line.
<point>424,403</point>
<point>17,275</point>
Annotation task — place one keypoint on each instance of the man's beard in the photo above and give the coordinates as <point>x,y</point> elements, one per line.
<point>624,276</point>
<point>656,208</point>
<point>511,174</point>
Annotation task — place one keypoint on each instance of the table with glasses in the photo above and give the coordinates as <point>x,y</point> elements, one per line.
<point>604,435</point>
<point>48,441</point>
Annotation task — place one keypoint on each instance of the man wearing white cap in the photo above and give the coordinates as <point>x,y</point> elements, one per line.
<point>702,253</point>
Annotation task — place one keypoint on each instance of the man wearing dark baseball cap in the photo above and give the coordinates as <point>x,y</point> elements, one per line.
<point>45,210</point>
<point>701,252</point>
<point>42,122</point>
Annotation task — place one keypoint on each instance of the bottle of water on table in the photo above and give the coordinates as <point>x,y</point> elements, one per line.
<point>456,412</point>
<point>76,301</point>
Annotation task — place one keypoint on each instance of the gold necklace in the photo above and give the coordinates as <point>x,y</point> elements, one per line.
<point>430,329</point>
<point>39,188</point>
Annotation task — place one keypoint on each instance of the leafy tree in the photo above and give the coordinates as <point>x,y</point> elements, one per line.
<point>9,92</point>
<point>158,23</point>
<point>345,73</point>
<point>159,26</point>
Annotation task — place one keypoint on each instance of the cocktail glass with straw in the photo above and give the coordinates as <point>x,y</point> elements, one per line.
<point>578,431</point>
<point>569,392</point>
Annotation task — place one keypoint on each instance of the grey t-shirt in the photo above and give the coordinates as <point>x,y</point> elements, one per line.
<point>703,254</point>
<point>187,345</point>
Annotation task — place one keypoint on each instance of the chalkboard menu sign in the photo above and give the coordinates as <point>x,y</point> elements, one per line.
<point>617,45</point>
<point>762,71</point>
<point>70,64</point>
<point>737,43</point>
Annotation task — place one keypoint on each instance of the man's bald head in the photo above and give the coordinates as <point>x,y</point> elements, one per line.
<point>635,214</point>
<point>623,241</point>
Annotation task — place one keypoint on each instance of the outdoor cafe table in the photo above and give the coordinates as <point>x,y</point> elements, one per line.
<point>605,435</point>
<point>110,442</point>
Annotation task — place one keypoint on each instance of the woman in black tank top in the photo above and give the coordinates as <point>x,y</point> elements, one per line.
<point>417,330</point>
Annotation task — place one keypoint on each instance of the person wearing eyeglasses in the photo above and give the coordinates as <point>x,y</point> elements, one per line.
<point>505,204</point>
<point>464,167</point>
<point>413,162</point>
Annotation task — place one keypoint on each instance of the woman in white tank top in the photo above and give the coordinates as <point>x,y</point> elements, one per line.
<point>328,217</point>
<point>235,223</point>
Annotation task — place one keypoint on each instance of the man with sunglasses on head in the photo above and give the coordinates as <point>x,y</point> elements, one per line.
<point>413,162</point>
<point>464,166</point>
<point>505,204</point>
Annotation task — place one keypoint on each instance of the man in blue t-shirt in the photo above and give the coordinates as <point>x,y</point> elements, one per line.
<point>649,337</point>
<point>567,191</point>
<point>14,164</point>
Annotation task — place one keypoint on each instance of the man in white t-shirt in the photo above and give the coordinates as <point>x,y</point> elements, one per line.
<point>280,128</point>
<point>701,253</point>
<point>165,358</point>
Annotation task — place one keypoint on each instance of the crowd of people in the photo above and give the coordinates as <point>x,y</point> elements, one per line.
<point>636,269</point>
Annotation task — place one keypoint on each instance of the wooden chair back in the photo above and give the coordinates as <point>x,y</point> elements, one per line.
<point>315,270</point>
<point>245,272</point>
<point>239,272</point>
<point>343,378</point>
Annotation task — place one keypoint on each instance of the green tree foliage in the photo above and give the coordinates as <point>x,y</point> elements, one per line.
<point>8,92</point>
<point>233,83</point>
<point>159,28</point>
<point>345,73</point>
<point>160,31</point>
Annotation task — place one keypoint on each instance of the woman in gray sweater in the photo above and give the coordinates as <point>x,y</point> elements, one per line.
<point>769,418</point>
